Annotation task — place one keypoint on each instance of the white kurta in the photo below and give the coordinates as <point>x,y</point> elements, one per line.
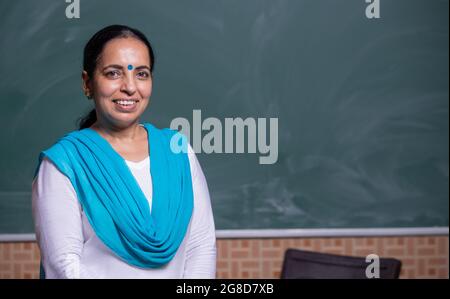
<point>70,248</point>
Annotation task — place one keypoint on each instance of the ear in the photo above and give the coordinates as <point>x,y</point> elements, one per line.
<point>86,84</point>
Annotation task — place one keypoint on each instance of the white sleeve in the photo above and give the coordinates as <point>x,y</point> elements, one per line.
<point>201,244</point>
<point>57,221</point>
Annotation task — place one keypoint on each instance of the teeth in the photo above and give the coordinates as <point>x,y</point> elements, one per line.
<point>125,103</point>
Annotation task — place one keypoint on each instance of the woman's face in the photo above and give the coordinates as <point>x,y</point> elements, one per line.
<point>122,84</point>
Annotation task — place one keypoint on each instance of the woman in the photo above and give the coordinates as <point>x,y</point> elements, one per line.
<point>112,200</point>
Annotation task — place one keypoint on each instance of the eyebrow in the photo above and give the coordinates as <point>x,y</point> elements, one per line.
<point>117,66</point>
<point>142,67</point>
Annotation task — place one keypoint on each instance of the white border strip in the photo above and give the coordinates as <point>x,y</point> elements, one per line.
<point>17,238</point>
<point>293,233</point>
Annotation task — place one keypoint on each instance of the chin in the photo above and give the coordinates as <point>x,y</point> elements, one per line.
<point>124,122</point>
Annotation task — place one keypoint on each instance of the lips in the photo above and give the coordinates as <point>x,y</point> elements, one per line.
<point>126,105</point>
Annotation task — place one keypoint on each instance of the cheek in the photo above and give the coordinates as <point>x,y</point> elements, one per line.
<point>106,88</point>
<point>145,89</point>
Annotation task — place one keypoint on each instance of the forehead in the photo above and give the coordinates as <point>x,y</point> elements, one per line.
<point>125,51</point>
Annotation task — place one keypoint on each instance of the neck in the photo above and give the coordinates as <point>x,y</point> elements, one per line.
<point>119,134</point>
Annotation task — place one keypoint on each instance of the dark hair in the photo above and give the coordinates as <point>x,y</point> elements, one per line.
<point>94,48</point>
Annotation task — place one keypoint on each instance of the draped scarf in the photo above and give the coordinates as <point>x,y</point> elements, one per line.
<point>114,203</point>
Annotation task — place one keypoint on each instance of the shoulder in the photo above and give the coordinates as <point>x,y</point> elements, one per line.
<point>175,139</point>
<point>49,172</point>
<point>168,132</point>
<point>48,154</point>
<point>61,145</point>
<point>179,143</point>
<point>51,187</point>
<point>57,156</point>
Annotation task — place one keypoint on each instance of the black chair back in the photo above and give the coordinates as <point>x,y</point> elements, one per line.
<point>306,264</point>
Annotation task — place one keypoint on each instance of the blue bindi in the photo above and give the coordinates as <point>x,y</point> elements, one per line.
<point>130,67</point>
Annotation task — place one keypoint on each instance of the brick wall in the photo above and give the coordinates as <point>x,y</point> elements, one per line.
<point>422,257</point>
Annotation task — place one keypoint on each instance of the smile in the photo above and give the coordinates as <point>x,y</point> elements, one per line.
<point>126,105</point>
<point>125,102</point>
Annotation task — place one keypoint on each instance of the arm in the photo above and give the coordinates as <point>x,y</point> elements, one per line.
<point>58,224</point>
<point>201,244</point>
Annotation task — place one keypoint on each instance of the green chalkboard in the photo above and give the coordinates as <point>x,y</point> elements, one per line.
<point>362,104</point>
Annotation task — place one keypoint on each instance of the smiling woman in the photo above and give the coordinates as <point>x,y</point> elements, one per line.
<point>121,94</point>
<point>112,200</point>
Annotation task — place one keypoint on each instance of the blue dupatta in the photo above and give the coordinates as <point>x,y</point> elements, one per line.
<point>115,205</point>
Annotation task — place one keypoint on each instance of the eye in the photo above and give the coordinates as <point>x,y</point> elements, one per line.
<point>143,75</point>
<point>113,74</point>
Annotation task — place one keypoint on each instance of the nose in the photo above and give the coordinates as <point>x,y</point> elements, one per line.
<point>128,85</point>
